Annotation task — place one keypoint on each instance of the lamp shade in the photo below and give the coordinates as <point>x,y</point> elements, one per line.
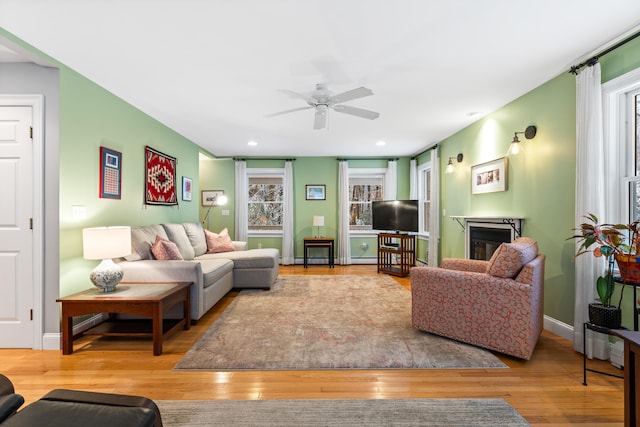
<point>318,221</point>
<point>106,242</point>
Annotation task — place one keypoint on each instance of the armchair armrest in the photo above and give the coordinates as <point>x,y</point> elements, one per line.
<point>474,265</point>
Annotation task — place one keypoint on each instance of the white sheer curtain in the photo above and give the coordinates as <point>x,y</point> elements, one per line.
<point>241,201</point>
<point>344,243</point>
<point>413,179</point>
<point>287,226</point>
<point>589,199</point>
<point>434,209</point>
<point>391,180</point>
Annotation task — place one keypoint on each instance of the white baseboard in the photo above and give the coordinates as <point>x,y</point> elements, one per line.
<point>52,341</point>
<point>559,328</point>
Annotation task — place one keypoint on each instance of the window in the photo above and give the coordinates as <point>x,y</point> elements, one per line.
<point>363,189</point>
<point>633,101</point>
<point>426,200</point>
<point>265,202</point>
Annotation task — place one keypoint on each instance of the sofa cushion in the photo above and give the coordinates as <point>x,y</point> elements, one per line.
<point>195,233</point>
<point>165,250</point>
<point>178,235</point>
<point>509,258</point>
<point>215,269</point>
<point>141,240</point>
<point>252,258</point>
<point>218,242</point>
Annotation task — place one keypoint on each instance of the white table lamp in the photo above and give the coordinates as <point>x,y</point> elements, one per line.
<point>105,243</point>
<point>318,221</point>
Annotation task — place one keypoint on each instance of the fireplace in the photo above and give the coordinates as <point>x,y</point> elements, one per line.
<point>484,235</point>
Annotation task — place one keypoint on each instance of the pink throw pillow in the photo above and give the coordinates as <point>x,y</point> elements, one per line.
<point>218,242</point>
<point>165,249</point>
<point>509,258</point>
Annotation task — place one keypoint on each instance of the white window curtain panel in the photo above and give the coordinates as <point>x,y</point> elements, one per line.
<point>413,179</point>
<point>434,209</point>
<point>391,180</point>
<point>344,243</point>
<point>589,199</point>
<point>287,226</point>
<point>241,201</point>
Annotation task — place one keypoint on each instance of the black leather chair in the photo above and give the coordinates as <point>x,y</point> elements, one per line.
<point>71,408</point>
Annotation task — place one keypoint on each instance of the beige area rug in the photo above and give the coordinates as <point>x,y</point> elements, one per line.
<point>327,322</point>
<point>370,413</point>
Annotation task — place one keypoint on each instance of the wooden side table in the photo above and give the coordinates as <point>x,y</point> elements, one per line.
<point>319,242</point>
<point>631,375</point>
<point>143,299</point>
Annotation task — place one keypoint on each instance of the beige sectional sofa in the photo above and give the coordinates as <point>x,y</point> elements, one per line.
<point>213,275</point>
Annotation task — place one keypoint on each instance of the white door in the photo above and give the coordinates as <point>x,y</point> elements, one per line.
<point>16,222</point>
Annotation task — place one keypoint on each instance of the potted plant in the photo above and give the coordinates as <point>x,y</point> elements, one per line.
<point>610,242</point>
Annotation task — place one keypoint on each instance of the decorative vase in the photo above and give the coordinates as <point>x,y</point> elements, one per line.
<point>629,266</point>
<point>606,316</point>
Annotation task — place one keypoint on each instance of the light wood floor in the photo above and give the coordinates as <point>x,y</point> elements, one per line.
<point>546,390</point>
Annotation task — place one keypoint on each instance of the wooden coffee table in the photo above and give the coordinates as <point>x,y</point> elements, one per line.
<point>143,299</point>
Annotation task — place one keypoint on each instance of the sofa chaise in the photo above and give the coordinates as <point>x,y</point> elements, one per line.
<point>212,274</point>
<point>495,304</point>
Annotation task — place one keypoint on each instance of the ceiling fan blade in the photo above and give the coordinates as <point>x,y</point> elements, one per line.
<point>320,121</point>
<point>288,111</point>
<point>293,94</point>
<point>349,95</point>
<point>365,114</point>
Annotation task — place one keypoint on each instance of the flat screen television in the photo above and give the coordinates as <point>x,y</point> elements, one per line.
<point>395,215</point>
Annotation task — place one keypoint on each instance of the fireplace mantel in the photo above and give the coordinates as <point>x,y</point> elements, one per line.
<point>514,222</point>
<point>472,224</point>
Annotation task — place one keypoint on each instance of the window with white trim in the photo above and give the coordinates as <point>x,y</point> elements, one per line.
<point>633,103</point>
<point>424,197</point>
<point>265,202</point>
<point>364,188</point>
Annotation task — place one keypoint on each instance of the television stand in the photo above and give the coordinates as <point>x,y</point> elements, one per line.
<point>396,253</point>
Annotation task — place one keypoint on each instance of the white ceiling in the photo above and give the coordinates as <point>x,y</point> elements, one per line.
<point>211,69</point>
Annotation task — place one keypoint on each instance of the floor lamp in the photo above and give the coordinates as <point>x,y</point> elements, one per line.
<point>214,201</point>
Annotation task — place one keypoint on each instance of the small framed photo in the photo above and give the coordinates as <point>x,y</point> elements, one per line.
<point>187,184</point>
<point>489,177</point>
<point>210,197</point>
<point>110,174</point>
<point>316,192</point>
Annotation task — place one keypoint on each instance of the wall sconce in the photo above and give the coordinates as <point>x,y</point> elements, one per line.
<point>529,133</point>
<point>450,167</point>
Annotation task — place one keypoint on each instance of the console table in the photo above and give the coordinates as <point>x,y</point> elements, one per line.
<point>319,242</point>
<point>143,299</point>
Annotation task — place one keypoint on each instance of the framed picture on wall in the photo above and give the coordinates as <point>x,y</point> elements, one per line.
<point>110,174</point>
<point>489,177</point>
<point>315,192</point>
<point>210,197</point>
<point>187,184</point>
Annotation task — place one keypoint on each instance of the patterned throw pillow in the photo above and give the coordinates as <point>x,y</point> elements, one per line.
<point>218,242</point>
<point>165,249</point>
<point>509,258</point>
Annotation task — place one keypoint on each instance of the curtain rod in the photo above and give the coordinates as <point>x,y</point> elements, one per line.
<point>340,159</point>
<point>591,61</point>
<point>430,147</point>
<point>292,159</point>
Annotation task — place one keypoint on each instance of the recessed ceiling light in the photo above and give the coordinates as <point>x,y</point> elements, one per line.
<point>380,143</point>
<point>252,143</point>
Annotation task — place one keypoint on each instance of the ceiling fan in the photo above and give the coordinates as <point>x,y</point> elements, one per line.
<point>322,100</point>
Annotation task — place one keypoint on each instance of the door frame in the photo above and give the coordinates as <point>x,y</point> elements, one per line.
<point>36,102</point>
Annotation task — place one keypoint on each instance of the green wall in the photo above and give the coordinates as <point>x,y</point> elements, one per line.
<point>91,117</point>
<point>218,174</point>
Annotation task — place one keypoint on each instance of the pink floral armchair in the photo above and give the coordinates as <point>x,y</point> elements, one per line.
<point>495,304</point>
